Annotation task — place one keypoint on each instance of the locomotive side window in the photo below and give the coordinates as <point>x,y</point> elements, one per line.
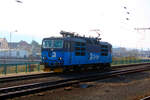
<point>104,50</point>
<point>104,54</point>
<point>82,53</point>
<point>79,49</point>
<point>78,43</point>
<point>82,44</point>
<point>78,54</point>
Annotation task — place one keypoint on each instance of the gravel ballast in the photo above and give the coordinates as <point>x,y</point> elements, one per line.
<point>126,87</point>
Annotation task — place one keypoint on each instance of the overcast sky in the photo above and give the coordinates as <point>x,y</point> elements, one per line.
<point>36,19</point>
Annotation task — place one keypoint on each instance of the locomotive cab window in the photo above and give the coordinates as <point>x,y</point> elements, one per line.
<point>58,44</point>
<point>47,44</point>
<point>104,50</point>
<point>52,44</point>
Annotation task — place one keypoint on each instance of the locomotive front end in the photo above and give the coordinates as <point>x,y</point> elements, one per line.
<point>52,54</point>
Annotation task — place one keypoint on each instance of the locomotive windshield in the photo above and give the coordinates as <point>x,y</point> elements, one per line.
<point>52,44</point>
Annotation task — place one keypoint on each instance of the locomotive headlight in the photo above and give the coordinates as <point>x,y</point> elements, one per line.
<point>59,58</point>
<point>44,58</point>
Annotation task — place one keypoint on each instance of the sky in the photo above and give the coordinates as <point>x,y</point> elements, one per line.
<point>36,19</point>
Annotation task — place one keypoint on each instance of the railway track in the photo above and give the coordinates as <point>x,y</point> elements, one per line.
<point>130,65</point>
<point>43,75</point>
<point>146,98</point>
<point>26,77</point>
<point>20,90</point>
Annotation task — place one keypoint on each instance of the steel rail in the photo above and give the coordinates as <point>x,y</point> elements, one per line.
<point>14,91</point>
<point>42,75</point>
<point>146,98</point>
<point>130,65</point>
<point>26,77</point>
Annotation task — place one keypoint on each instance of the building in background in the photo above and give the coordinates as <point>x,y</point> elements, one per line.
<point>20,49</point>
<point>20,45</point>
<point>15,53</point>
<point>14,49</point>
<point>13,45</point>
<point>3,43</point>
<point>126,52</point>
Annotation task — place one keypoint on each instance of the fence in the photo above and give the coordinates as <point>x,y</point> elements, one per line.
<point>130,61</point>
<point>17,68</point>
<point>32,67</point>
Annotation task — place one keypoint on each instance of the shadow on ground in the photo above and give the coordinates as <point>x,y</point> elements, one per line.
<point>127,78</point>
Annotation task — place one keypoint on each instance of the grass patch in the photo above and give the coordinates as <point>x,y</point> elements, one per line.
<point>128,60</point>
<point>10,69</point>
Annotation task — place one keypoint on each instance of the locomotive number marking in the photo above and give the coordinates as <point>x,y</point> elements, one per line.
<point>93,56</point>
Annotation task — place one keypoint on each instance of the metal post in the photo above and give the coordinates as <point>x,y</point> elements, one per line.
<point>29,67</point>
<point>10,46</point>
<point>38,67</point>
<point>16,68</point>
<point>26,68</point>
<point>5,69</point>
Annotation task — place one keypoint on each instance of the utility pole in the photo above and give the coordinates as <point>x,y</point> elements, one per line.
<point>10,53</point>
<point>10,46</point>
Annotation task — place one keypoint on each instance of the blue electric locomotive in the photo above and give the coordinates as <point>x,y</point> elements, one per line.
<point>73,52</point>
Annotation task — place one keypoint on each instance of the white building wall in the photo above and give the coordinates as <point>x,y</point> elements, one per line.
<point>15,53</point>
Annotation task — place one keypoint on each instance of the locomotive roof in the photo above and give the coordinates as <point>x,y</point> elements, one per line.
<point>67,38</point>
<point>104,43</point>
<point>76,38</point>
<point>80,39</point>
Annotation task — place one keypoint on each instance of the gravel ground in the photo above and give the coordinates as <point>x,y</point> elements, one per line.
<point>43,79</point>
<point>126,87</point>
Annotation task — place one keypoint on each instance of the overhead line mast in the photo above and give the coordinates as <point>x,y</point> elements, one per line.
<point>142,28</point>
<point>143,36</point>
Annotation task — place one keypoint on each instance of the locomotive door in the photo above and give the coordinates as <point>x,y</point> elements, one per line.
<point>70,53</point>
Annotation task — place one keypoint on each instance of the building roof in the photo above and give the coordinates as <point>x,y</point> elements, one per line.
<point>13,45</point>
